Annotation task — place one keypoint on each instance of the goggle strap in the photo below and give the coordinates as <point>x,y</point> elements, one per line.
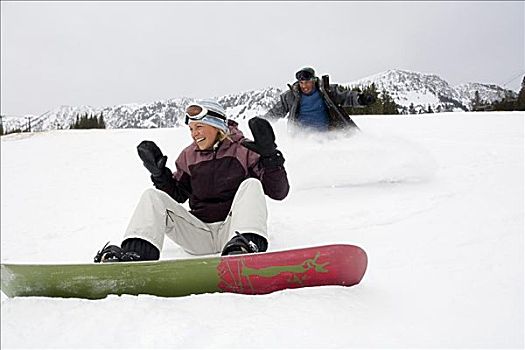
<point>202,115</point>
<point>216,115</point>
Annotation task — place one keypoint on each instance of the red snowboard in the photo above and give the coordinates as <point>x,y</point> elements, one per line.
<point>248,274</point>
<point>264,273</point>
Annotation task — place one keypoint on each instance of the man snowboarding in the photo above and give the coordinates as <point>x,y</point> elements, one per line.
<point>224,176</point>
<point>314,104</point>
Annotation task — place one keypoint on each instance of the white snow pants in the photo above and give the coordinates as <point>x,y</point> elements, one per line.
<point>158,215</point>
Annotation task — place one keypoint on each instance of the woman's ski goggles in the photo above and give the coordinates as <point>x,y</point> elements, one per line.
<point>197,112</point>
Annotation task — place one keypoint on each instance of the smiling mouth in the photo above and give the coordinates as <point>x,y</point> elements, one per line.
<point>200,139</point>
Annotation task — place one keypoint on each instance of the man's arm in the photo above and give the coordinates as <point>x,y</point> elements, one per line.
<point>348,98</point>
<point>279,110</point>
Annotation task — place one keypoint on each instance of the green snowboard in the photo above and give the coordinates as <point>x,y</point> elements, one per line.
<point>247,274</point>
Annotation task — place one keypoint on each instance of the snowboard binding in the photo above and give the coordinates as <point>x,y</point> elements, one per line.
<point>113,253</point>
<point>239,245</point>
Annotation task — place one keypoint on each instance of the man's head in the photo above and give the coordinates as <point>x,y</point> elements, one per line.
<point>306,78</point>
<point>207,122</point>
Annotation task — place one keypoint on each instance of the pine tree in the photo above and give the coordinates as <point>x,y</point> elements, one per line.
<point>476,102</point>
<point>101,123</point>
<point>388,103</point>
<point>429,110</point>
<point>83,121</point>
<point>508,103</point>
<point>377,106</point>
<point>76,124</point>
<point>412,109</point>
<point>520,103</point>
<point>90,122</point>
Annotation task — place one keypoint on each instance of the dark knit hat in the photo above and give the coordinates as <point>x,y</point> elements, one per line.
<point>306,73</point>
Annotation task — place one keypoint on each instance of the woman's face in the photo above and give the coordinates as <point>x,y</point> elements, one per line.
<point>203,135</point>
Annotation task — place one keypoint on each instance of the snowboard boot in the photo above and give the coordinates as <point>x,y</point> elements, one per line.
<point>113,253</point>
<point>133,249</point>
<point>145,249</point>
<point>244,244</point>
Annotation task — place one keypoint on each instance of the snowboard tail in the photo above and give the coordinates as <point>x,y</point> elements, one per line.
<point>259,273</point>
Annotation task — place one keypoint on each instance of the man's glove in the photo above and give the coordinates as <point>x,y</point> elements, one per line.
<point>153,159</point>
<point>264,142</point>
<point>365,99</point>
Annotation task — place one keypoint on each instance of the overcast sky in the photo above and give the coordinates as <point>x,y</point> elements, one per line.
<point>104,54</point>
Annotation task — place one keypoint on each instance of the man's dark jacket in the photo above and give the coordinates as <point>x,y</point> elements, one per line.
<point>333,96</point>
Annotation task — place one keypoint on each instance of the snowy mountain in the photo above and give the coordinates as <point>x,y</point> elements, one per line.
<point>152,115</point>
<point>437,204</point>
<point>157,114</point>
<point>251,103</point>
<point>61,116</point>
<point>422,90</point>
<point>58,118</point>
<point>405,87</point>
<point>487,93</point>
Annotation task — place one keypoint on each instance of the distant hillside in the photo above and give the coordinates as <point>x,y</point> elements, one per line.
<point>403,86</point>
<point>422,90</point>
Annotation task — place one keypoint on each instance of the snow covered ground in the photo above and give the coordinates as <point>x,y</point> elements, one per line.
<point>436,202</point>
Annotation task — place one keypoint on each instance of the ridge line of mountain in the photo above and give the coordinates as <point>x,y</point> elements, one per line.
<point>422,90</point>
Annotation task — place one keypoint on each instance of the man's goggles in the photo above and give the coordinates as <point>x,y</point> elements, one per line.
<point>197,112</point>
<point>304,75</point>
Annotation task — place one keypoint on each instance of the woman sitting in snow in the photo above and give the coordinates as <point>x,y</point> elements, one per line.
<point>225,178</point>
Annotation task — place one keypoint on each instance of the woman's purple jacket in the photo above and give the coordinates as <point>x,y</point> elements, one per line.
<point>210,179</point>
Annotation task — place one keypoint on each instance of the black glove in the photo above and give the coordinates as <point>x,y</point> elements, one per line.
<point>365,99</point>
<point>152,158</point>
<point>264,142</point>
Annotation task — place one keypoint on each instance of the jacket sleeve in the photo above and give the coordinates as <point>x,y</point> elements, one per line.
<point>279,110</point>
<point>343,97</point>
<point>179,185</point>
<point>274,179</point>
<point>275,182</point>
